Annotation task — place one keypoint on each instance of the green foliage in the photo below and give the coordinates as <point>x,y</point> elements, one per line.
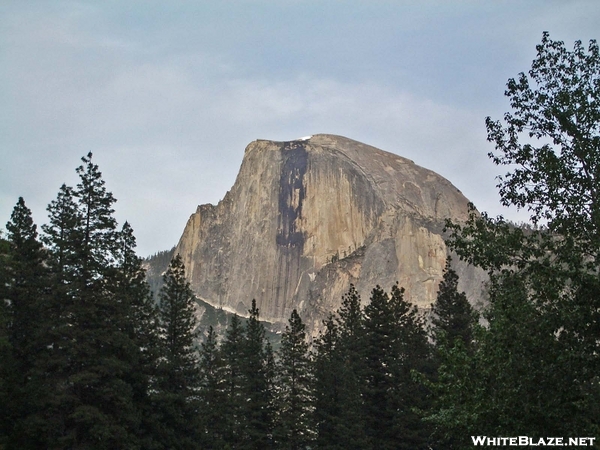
<point>157,265</point>
<point>550,143</point>
<point>326,388</point>
<point>213,394</point>
<point>534,368</point>
<point>178,377</point>
<point>396,345</point>
<point>295,397</point>
<point>79,324</point>
<point>141,326</point>
<point>232,355</point>
<point>25,283</point>
<point>518,381</point>
<point>557,104</point>
<point>5,347</point>
<point>366,395</point>
<point>338,407</point>
<point>177,326</point>
<point>257,385</point>
<point>452,315</point>
<point>351,349</point>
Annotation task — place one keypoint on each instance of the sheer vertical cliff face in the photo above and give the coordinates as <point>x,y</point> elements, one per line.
<point>306,218</point>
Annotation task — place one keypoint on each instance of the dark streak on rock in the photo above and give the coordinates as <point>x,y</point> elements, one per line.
<point>291,185</point>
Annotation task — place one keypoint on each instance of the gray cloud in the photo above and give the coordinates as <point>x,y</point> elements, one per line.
<point>167,95</point>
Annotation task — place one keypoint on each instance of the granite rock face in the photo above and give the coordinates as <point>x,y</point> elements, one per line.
<point>306,218</point>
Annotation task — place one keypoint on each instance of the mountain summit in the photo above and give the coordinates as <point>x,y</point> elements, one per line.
<point>306,218</point>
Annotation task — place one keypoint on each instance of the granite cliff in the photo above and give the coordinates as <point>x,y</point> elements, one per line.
<point>306,218</point>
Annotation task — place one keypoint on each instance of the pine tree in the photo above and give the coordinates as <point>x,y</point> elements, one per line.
<point>352,348</point>
<point>328,363</point>
<point>93,353</point>
<point>27,284</point>
<point>396,345</point>
<point>257,409</point>
<point>295,398</point>
<point>351,321</point>
<point>97,250</point>
<point>232,356</point>
<point>60,236</point>
<point>141,325</point>
<point>213,397</point>
<point>178,380</point>
<point>339,365</point>
<point>452,316</point>
<point>5,347</point>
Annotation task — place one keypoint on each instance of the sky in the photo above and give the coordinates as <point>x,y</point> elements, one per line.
<point>167,95</point>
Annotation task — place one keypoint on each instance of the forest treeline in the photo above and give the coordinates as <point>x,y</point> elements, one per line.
<point>89,359</point>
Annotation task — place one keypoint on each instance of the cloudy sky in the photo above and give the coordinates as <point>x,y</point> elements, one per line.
<point>168,94</point>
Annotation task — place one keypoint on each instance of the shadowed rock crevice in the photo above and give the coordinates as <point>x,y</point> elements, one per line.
<point>291,195</point>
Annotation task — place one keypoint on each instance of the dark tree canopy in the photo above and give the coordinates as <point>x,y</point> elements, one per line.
<point>551,140</point>
<point>453,316</point>
<point>295,397</point>
<point>535,365</point>
<point>550,143</point>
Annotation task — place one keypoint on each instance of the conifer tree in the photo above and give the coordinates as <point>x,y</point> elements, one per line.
<point>213,397</point>
<point>93,354</point>
<point>295,397</point>
<point>452,315</point>
<point>26,289</point>
<point>257,412</point>
<point>396,345</point>
<point>5,348</point>
<point>339,365</point>
<point>352,348</point>
<point>232,355</point>
<point>98,247</point>
<point>60,236</point>
<point>141,325</point>
<point>328,363</point>
<point>351,322</point>
<point>178,377</point>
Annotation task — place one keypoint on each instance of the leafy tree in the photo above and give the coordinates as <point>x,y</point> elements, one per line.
<point>557,104</point>
<point>545,279</point>
<point>452,315</point>
<point>178,377</point>
<point>295,398</point>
